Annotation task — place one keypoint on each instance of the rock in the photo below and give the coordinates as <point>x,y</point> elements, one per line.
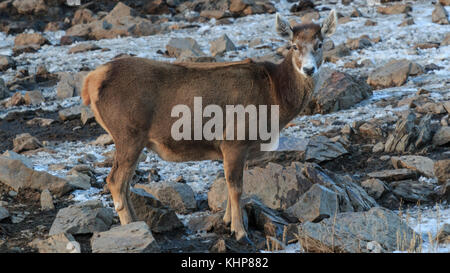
<point>394,73</point>
<point>58,243</point>
<point>414,191</point>
<point>314,205</point>
<point>439,15</point>
<point>370,130</point>
<point>407,22</point>
<point>33,97</point>
<point>321,148</point>
<point>68,40</point>
<point>42,122</point>
<point>442,170</point>
<point>221,45</point>
<point>336,91</point>
<point>47,200</point>
<point>446,40</point>
<point>206,223</point>
<point>351,196</point>
<point>79,180</point>
<point>15,156</point>
<point>82,218</point>
<point>421,164</point>
<point>3,213</point>
<point>431,107</point>
<point>394,175</point>
<point>83,16</point>
<point>25,142</point>
<point>336,53</point>
<point>177,45</point>
<point>443,236</point>
<point>6,63</point>
<point>149,209</point>
<point>86,114</point>
<point>16,100</point>
<point>135,237</point>
<point>263,218</point>
<point>26,39</point>
<point>219,247</point>
<point>378,148</point>
<point>275,186</point>
<point>30,6</point>
<point>394,9</point>
<point>79,48</point>
<point>3,89</point>
<point>407,136</point>
<point>370,23</point>
<point>374,187</point>
<point>70,84</point>
<point>352,231</point>
<point>103,140</point>
<point>302,5</point>
<point>358,43</point>
<point>442,136</point>
<point>177,196</point>
<point>70,113</point>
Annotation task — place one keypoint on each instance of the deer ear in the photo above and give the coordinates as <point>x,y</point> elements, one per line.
<point>283,28</point>
<point>329,25</point>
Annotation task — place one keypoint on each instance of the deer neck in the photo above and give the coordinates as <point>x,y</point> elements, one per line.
<point>294,89</point>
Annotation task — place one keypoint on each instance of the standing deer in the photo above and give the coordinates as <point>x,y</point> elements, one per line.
<point>132,99</point>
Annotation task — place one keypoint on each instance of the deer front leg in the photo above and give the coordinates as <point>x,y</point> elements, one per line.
<point>227,216</point>
<point>233,162</point>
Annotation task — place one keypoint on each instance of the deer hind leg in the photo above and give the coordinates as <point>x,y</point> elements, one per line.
<point>233,162</point>
<point>227,216</point>
<point>125,161</point>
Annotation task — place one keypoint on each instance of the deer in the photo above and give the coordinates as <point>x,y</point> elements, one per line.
<point>132,98</point>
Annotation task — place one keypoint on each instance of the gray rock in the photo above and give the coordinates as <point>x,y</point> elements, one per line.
<point>393,175</point>
<point>177,45</point>
<point>221,45</point>
<point>3,213</point>
<point>58,243</point>
<point>6,62</point>
<point>135,237</point>
<point>79,48</point>
<point>374,187</point>
<point>336,91</point>
<point>177,196</point>
<point>321,148</point>
<point>47,201</point>
<point>25,142</point>
<point>18,176</point>
<point>83,218</point>
<point>352,231</point>
<point>442,170</point>
<point>79,180</point>
<point>439,15</point>
<point>4,92</point>
<point>266,220</point>
<point>70,84</point>
<point>421,164</point>
<point>13,155</point>
<point>316,204</point>
<point>414,191</point>
<point>71,113</point>
<point>103,140</point>
<point>149,209</point>
<point>442,136</point>
<point>275,186</point>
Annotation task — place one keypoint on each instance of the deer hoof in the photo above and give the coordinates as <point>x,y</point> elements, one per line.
<point>118,206</point>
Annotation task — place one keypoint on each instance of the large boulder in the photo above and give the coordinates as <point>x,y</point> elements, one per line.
<point>321,148</point>
<point>58,243</point>
<point>135,237</point>
<point>178,46</point>
<point>394,73</point>
<point>355,232</point>
<point>17,175</point>
<point>337,91</point>
<point>421,164</point>
<point>149,209</point>
<point>82,218</point>
<point>178,196</point>
<point>442,136</point>
<point>275,186</point>
<point>70,84</point>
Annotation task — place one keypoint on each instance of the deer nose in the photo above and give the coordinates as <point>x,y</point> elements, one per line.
<point>309,70</point>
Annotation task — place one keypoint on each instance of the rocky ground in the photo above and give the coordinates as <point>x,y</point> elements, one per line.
<point>366,168</point>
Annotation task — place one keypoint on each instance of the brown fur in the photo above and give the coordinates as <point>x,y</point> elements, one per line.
<point>132,99</point>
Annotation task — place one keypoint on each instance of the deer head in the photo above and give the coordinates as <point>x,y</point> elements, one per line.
<point>306,42</point>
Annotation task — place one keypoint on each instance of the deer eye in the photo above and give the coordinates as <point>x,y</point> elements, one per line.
<point>295,47</point>
<point>318,45</point>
